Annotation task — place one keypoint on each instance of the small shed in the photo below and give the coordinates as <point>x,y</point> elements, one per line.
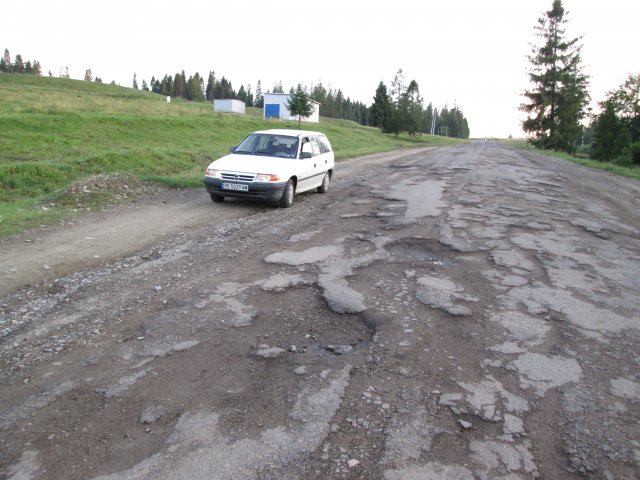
<point>228,105</point>
<point>275,106</point>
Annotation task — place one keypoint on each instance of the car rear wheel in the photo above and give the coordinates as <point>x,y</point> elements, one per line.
<point>324,186</point>
<point>216,198</point>
<point>287,196</point>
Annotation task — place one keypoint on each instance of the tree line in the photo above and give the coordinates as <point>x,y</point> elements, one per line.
<point>402,110</point>
<point>334,103</point>
<point>616,131</point>
<point>557,102</point>
<point>19,65</point>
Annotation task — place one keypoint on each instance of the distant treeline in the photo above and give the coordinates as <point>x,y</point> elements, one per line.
<point>334,104</point>
<point>19,65</point>
<point>402,111</point>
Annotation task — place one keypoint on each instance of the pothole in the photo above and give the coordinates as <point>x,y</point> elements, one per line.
<point>418,250</point>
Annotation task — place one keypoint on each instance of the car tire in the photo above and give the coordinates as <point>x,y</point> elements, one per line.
<point>324,186</point>
<point>216,198</point>
<point>287,196</point>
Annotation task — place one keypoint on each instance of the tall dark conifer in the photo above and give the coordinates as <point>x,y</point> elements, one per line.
<point>557,101</point>
<point>211,85</point>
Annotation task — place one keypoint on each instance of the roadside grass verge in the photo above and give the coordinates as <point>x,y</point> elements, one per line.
<point>625,171</point>
<point>54,132</point>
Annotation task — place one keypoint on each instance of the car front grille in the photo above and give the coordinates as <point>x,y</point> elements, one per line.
<point>241,177</point>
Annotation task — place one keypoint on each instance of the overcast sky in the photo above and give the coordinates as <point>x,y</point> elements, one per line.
<point>468,52</point>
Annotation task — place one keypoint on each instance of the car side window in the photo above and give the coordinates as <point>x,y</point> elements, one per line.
<point>325,146</point>
<point>317,150</point>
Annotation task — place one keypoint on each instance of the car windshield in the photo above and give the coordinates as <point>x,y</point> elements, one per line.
<point>268,144</point>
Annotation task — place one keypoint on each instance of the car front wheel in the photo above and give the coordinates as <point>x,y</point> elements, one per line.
<point>216,198</point>
<point>287,196</point>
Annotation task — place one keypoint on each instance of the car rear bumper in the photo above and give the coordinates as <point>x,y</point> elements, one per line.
<point>260,191</point>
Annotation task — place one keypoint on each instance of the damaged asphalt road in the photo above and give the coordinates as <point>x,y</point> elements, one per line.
<point>469,312</point>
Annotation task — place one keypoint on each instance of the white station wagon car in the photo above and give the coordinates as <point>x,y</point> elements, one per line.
<point>272,165</point>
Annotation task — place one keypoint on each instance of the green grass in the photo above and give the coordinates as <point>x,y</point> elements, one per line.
<point>56,131</point>
<point>633,172</point>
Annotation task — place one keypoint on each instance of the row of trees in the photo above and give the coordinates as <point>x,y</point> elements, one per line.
<point>557,103</point>
<point>19,65</point>
<point>334,104</point>
<point>402,110</point>
<point>616,131</point>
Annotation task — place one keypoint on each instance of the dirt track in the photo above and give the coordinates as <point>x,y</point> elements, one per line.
<point>458,313</point>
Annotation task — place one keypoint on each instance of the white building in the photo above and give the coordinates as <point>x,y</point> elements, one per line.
<point>228,105</point>
<point>275,106</point>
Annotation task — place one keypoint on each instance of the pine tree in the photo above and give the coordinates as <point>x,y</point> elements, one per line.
<point>5,64</point>
<point>18,65</point>
<point>410,109</point>
<point>259,99</point>
<point>395,123</point>
<point>380,112</point>
<point>145,87</point>
<point>607,131</point>
<point>211,85</point>
<point>135,82</point>
<point>558,98</point>
<point>194,88</point>
<point>299,103</point>
<point>180,85</point>
<point>88,75</point>
<point>242,94</point>
<point>427,119</point>
<point>250,99</point>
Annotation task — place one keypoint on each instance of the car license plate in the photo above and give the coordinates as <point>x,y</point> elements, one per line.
<point>235,186</point>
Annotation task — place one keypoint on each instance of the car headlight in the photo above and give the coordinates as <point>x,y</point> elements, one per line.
<point>267,177</point>
<point>212,172</point>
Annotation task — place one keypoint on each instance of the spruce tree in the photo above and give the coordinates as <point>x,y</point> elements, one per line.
<point>5,63</point>
<point>249,100</point>
<point>558,97</point>
<point>18,65</point>
<point>259,98</point>
<point>242,94</point>
<point>410,109</point>
<point>380,112</point>
<point>299,103</point>
<point>211,85</point>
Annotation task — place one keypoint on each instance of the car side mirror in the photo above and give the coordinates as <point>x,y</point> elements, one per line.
<point>232,149</point>
<point>307,152</point>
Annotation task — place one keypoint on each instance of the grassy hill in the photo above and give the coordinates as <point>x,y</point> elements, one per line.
<point>54,132</point>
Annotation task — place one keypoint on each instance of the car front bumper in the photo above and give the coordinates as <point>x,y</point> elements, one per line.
<point>271,191</point>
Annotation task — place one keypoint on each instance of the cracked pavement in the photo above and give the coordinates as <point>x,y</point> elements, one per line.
<point>469,312</point>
